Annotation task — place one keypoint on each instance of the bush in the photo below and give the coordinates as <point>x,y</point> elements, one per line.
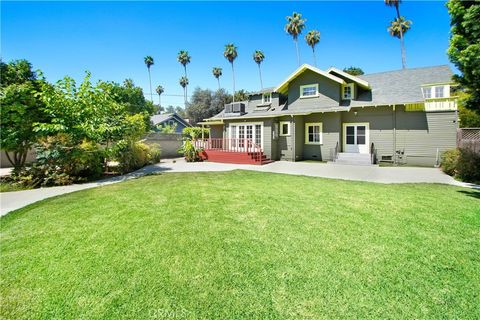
<point>190,152</point>
<point>463,164</point>
<point>193,133</point>
<point>135,155</point>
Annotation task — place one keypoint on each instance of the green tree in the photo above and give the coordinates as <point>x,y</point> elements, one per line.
<point>354,71</point>
<point>313,38</point>
<point>149,63</point>
<point>230,53</point>
<point>399,31</point>
<point>217,73</point>
<point>241,95</point>
<point>258,57</point>
<point>160,90</point>
<point>205,103</point>
<point>21,108</point>
<point>184,83</point>
<point>464,49</point>
<point>294,27</point>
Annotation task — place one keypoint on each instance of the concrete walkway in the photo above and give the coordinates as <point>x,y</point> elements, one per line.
<point>10,201</point>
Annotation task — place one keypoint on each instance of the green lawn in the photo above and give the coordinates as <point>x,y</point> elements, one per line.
<point>244,245</point>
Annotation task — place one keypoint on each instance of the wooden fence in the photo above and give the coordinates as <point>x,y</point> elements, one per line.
<point>469,138</point>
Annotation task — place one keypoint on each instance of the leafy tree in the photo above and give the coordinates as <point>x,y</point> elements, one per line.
<point>241,95</point>
<point>294,27</point>
<point>205,103</point>
<point>170,109</point>
<point>258,57</point>
<point>354,71</point>
<point>184,83</point>
<point>217,73</point>
<point>464,50</point>
<point>21,108</point>
<point>159,90</point>
<point>313,38</point>
<point>230,54</point>
<point>180,111</point>
<point>149,63</point>
<point>399,31</point>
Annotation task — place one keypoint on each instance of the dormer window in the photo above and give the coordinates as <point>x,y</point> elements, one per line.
<point>267,98</point>
<point>347,92</point>
<point>309,90</point>
<point>439,91</point>
<point>427,92</point>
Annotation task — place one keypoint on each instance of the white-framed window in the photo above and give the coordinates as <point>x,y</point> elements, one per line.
<point>439,91</point>
<point>309,90</point>
<point>313,133</point>
<point>347,91</point>
<point>284,128</point>
<point>267,98</point>
<point>427,92</point>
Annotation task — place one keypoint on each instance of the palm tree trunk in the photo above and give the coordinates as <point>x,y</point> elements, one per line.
<point>233,74</point>
<point>186,90</point>
<point>402,43</point>
<point>150,80</point>
<point>260,73</point>
<point>298,52</point>
<point>314,57</point>
<point>218,80</point>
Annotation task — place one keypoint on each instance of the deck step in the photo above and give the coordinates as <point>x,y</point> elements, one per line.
<point>355,159</point>
<point>235,157</point>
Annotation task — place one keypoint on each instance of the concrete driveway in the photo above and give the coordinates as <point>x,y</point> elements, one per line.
<point>10,201</point>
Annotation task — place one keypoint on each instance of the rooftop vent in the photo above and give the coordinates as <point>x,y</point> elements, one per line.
<point>235,107</point>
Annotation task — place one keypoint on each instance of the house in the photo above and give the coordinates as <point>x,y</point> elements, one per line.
<point>170,119</point>
<point>406,116</point>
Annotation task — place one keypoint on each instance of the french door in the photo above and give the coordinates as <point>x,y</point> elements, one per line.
<point>356,137</point>
<point>240,134</point>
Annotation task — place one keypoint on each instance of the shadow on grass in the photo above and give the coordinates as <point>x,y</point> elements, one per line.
<point>473,194</point>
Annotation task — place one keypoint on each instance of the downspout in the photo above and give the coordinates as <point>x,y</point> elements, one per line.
<point>394,135</point>
<point>293,139</point>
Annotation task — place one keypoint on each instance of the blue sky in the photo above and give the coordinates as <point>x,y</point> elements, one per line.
<point>110,39</point>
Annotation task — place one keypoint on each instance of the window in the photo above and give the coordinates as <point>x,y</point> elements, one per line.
<point>309,90</point>
<point>284,128</point>
<point>439,92</point>
<point>266,98</point>
<point>427,92</point>
<point>347,93</point>
<point>313,133</point>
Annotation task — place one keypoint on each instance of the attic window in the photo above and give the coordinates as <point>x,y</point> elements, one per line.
<point>267,98</point>
<point>309,90</point>
<point>347,92</point>
<point>438,91</point>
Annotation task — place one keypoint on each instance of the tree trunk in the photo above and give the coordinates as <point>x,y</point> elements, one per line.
<point>260,73</point>
<point>314,57</point>
<point>150,80</point>
<point>233,74</point>
<point>186,87</point>
<point>298,52</point>
<point>218,80</point>
<point>402,44</point>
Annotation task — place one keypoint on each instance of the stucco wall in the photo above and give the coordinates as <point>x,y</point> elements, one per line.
<point>169,143</point>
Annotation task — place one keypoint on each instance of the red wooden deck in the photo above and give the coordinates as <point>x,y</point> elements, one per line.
<point>240,151</point>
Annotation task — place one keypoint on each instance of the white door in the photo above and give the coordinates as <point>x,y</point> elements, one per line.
<point>241,133</point>
<point>356,137</point>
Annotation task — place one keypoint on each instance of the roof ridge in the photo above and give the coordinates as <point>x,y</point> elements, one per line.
<point>407,69</point>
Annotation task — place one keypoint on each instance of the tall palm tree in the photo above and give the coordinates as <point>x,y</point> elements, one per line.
<point>217,73</point>
<point>149,62</point>
<point>159,92</point>
<point>258,57</point>
<point>184,83</point>
<point>398,27</point>
<point>396,5</point>
<point>294,27</point>
<point>184,58</point>
<point>230,54</point>
<point>312,38</point>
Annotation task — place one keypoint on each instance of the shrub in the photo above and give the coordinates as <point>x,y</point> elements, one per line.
<point>193,133</point>
<point>450,161</point>
<point>190,152</point>
<point>135,155</point>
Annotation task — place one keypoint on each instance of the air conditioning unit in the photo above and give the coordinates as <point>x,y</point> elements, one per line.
<point>235,107</point>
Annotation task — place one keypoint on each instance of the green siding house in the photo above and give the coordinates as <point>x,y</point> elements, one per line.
<point>406,116</point>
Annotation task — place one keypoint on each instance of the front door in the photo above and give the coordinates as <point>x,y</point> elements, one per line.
<point>356,137</point>
<point>241,133</point>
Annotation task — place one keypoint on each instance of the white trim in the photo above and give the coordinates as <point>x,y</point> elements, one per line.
<point>263,98</point>
<point>433,88</point>
<point>310,124</point>
<point>316,95</point>
<point>361,82</point>
<point>281,134</point>
<point>246,123</point>
<point>367,134</point>
<point>300,70</point>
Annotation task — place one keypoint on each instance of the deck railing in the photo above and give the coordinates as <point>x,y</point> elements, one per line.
<point>231,145</point>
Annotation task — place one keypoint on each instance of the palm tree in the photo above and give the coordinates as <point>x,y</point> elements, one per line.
<point>149,62</point>
<point>184,83</point>
<point>184,58</point>
<point>294,27</point>
<point>396,5</point>
<point>398,27</point>
<point>230,54</point>
<point>217,73</point>
<point>312,38</point>
<point>258,57</point>
<point>159,92</point>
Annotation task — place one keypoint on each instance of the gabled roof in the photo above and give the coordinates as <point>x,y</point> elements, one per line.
<point>282,88</point>
<point>355,79</point>
<point>161,118</point>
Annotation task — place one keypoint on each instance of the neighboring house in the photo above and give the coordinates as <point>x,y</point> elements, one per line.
<point>160,120</point>
<point>406,116</point>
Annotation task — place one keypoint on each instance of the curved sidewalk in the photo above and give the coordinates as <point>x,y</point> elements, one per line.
<point>10,201</point>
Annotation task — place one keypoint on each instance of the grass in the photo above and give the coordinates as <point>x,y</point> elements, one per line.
<point>244,245</point>
<point>7,186</point>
